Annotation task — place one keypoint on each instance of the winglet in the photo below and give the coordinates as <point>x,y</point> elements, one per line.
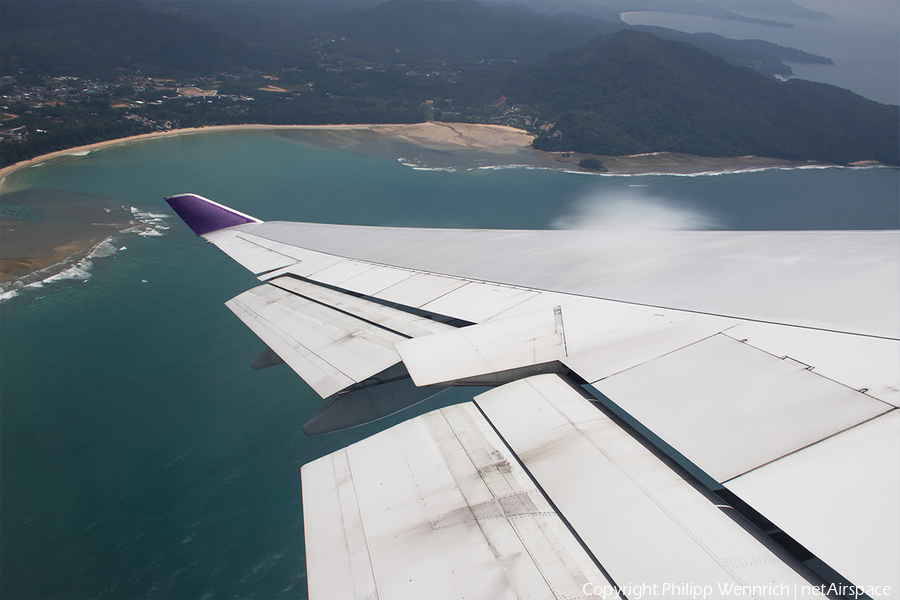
<point>204,216</point>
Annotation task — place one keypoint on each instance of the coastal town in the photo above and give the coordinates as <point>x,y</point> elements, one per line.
<point>41,114</point>
<point>22,96</point>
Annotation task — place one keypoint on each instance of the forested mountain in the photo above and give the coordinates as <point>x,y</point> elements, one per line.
<point>91,38</point>
<point>464,29</point>
<point>761,55</point>
<point>631,92</point>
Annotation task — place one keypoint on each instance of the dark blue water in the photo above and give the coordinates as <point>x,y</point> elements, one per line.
<point>140,456</point>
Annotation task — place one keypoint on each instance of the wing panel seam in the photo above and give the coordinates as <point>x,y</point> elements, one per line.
<point>811,369</point>
<point>672,517</point>
<point>334,308</point>
<point>553,505</point>
<point>280,332</point>
<point>680,348</point>
<point>244,239</point>
<point>362,524</point>
<point>826,438</point>
<point>494,496</point>
<point>404,308</point>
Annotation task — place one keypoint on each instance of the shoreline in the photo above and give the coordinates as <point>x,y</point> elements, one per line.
<point>673,163</point>
<point>485,137</point>
<point>498,138</point>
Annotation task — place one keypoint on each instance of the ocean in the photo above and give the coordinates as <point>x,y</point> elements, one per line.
<point>140,456</point>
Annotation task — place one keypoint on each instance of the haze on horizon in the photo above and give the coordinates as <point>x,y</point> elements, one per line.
<point>862,38</point>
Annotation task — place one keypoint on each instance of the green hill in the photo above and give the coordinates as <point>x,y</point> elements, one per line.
<point>630,92</point>
<point>463,28</point>
<point>94,38</point>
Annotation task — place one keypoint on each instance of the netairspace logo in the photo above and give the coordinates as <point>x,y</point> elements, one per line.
<point>728,590</point>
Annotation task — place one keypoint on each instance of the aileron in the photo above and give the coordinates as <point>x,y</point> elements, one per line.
<point>328,349</point>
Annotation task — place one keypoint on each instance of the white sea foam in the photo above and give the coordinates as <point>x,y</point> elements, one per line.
<point>418,166</point>
<point>103,249</point>
<point>82,269</point>
<point>670,174</point>
<point>79,271</point>
<point>147,215</point>
<point>79,153</point>
<point>525,167</point>
<point>146,223</point>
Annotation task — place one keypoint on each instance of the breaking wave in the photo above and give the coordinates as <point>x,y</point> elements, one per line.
<point>418,166</point>
<point>144,223</point>
<point>147,224</point>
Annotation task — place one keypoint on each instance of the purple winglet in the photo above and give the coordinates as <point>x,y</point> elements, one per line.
<point>204,216</point>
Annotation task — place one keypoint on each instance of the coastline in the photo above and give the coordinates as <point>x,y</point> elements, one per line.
<point>497,138</point>
<point>673,163</point>
<point>485,137</point>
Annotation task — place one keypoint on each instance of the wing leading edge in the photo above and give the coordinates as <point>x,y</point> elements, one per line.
<point>622,422</point>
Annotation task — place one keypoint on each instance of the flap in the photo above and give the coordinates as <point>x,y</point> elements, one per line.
<point>499,345</point>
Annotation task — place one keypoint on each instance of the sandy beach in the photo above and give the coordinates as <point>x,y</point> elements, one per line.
<point>496,138</point>
<point>491,138</point>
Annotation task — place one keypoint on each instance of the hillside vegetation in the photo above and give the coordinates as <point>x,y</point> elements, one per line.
<point>631,92</point>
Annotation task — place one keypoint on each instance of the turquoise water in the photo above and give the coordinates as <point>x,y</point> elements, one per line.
<point>140,456</point>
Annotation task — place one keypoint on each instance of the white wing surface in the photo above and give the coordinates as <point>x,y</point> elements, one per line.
<point>673,414</point>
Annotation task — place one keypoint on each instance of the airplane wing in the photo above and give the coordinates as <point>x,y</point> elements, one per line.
<point>670,414</point>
